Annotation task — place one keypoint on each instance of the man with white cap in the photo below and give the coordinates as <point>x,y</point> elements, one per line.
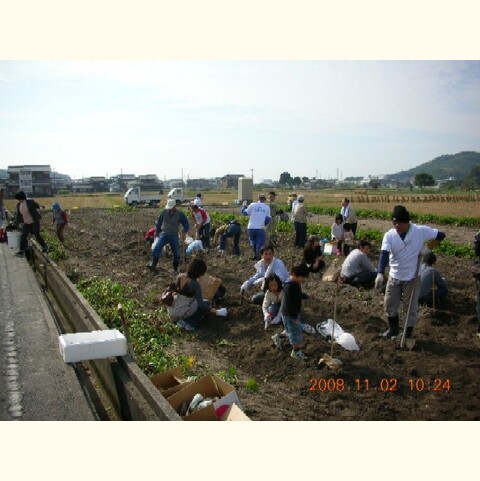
<point>166,232</point>
<point>401,247</point>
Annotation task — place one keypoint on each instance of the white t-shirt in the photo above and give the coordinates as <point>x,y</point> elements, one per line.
<point>197,201</point>
<point>257,211</point>
<point>403,259</point>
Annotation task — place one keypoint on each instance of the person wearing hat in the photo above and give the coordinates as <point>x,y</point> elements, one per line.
<point>166,232</point>
<point>59,218</point>
<point>260,217</point>
<point>300,222</point>
<point>401,249</point>
<point>312,255</point>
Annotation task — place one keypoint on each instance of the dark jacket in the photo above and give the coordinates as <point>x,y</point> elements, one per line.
<point>33,207</point>
<point>292,299</point>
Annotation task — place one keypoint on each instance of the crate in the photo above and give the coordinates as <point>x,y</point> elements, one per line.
<point>84,346</point>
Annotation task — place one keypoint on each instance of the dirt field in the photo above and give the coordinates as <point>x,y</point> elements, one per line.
<point>443,367</point>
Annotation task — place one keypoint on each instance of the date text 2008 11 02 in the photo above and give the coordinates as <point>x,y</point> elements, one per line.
<point>382,385</point>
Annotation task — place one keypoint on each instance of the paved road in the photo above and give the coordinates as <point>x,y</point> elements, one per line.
<point>35,383</point>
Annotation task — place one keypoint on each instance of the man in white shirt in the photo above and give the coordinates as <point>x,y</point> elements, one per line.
<point>401,248</point>
<point>268,265</point>
<point>349,215</point>
<point>259,213</point>
<point>357,269</point>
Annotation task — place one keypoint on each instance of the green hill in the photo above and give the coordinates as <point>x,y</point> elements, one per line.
<point>457,166</point>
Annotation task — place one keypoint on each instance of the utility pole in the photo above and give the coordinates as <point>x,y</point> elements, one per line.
<point>251,170</point>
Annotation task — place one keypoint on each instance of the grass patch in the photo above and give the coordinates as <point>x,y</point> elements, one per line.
<point>150,333</point>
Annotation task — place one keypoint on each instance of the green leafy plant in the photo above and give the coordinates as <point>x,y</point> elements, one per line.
<point>56,250</point>
<point>251,384</point>
<point>150,333</point>
<point>230,375</point>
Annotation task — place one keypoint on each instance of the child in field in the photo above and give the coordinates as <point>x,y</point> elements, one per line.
<point>338,233</point>
<point>349,238</point>
<point>290,310</point>
<point>272,300</point>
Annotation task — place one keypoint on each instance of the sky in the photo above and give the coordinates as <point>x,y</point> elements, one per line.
<point>323,119</point>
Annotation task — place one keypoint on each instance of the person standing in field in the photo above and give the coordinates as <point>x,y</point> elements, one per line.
<point>401,248</point>
<point>60,219</point>
<point>166,232</point>
<point>198,200</point>
<point>348,214</point>
<point>272,226</point>
<point>259,213</point>
<point>290,309</point>
<point>300,222</point>
<point>337,233</point>
<point>29,217</point>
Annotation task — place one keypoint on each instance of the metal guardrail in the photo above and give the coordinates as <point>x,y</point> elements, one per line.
<point>127,388</point>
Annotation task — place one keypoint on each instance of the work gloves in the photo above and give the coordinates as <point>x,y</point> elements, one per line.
<point>379,281</point>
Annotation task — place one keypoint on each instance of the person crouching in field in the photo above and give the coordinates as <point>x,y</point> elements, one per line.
<point>290,310</point>
<point>312,255</point>
<point>272,300</point>
<point>357,269</point>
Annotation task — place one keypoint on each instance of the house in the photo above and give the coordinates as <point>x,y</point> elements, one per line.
<point>32,179</point>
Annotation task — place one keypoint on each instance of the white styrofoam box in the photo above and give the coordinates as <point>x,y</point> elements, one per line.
<point>84,346</point>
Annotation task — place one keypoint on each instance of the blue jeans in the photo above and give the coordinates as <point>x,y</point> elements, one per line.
<point>273,309</point>
<point>294,331</point>
<point>163,239</point>
<point>234,231</point>
<point>256,239</point>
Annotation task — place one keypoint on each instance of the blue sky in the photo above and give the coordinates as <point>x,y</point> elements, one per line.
<point>210,118</point>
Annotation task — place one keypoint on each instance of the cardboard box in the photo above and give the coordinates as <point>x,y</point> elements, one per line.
<point>208,387</point>
<point>169,382</point>
<point>209,285</point>
<point>234,413</point>
<point>85,346</point>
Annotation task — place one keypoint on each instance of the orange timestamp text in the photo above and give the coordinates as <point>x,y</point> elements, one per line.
<point>392,384</point>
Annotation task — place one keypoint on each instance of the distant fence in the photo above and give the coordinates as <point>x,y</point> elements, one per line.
<point>399,199</point>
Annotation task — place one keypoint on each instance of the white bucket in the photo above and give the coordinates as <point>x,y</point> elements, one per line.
<point>13,239</point>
